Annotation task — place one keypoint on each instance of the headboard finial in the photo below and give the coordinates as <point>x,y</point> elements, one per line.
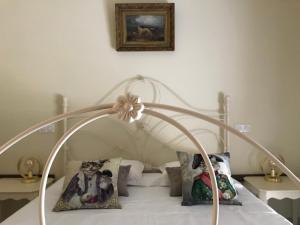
<point>129,107</point>
<point>140,77</point>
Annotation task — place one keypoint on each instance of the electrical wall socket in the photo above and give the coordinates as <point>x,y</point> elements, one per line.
<point>243,128</point>
<point>48,129</point>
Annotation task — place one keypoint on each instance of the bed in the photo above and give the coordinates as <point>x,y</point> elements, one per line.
<point>148,205</point>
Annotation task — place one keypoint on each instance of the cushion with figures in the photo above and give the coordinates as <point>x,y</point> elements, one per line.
<point>196,183</point>
<point>93,186</point>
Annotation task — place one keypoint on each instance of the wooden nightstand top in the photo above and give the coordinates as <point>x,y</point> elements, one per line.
<point>266,190</point>
<point>260,183</point>
<point>14,188</point>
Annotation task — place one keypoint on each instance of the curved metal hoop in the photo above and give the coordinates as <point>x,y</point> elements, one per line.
<point>107,109</point>
<point>81,124</point>
<point>251,141</point>
<point>53,154</point>
<point>215,210</point>
<point>49,121</point>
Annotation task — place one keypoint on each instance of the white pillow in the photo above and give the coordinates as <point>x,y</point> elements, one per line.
<point>163,167</point>
<point>154,180</point>
<point>136,171</point>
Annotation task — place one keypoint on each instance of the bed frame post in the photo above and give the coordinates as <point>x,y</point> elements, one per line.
<point>226,121</point>
<point>64,107</point>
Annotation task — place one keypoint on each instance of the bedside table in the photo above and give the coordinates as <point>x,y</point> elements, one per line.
<point>265,190</point>
<point>15,189</point>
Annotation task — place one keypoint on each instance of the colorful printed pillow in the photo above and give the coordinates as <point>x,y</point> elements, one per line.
<point>196,188</point>
<point>73,167</point>
<point>94,186</point>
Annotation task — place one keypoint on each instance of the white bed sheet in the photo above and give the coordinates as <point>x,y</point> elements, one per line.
<point>150,206</point>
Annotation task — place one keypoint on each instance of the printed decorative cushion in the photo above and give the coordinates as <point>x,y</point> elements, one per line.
<point>196,188</point>
<point>94,186</point>
<point>73,166</point>
<point>174,174</point>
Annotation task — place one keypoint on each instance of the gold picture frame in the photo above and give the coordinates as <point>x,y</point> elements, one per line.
<point>145,27</point>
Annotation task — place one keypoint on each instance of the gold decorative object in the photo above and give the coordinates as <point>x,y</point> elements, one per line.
<point>27,167</point>
<point>129,108</point>
<point>271,171</point>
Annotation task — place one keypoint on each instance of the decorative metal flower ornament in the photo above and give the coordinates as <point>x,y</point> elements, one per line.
<point>129,107</point>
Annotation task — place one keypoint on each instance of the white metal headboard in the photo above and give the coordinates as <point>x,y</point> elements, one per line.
<point>129,108</point>
<point>157,88</point>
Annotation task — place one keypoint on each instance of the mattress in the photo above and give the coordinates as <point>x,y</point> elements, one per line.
<point>150,206</point>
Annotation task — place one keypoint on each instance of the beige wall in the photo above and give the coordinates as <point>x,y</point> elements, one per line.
<point>248,49</point>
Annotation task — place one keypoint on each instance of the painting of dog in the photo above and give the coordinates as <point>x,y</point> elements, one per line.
<point>145,27</point>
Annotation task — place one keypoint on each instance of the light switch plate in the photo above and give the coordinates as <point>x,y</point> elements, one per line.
<point>48,129</point>
<point>243,128</point>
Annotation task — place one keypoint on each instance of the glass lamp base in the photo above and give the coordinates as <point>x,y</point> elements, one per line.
<point>30,180</point>
<point>273,179</point>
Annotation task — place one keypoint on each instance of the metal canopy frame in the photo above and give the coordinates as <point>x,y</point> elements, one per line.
<point>129,108</point>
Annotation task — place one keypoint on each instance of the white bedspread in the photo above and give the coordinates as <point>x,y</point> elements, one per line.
<point>150,206</point>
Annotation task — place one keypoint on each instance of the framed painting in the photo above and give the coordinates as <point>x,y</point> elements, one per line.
<point>145,27</point>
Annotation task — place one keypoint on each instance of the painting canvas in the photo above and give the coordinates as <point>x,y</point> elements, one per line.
<point>145,28</point>
<point>142,27</point>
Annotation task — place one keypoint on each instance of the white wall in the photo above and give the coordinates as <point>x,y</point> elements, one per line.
<point>248,49</point>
